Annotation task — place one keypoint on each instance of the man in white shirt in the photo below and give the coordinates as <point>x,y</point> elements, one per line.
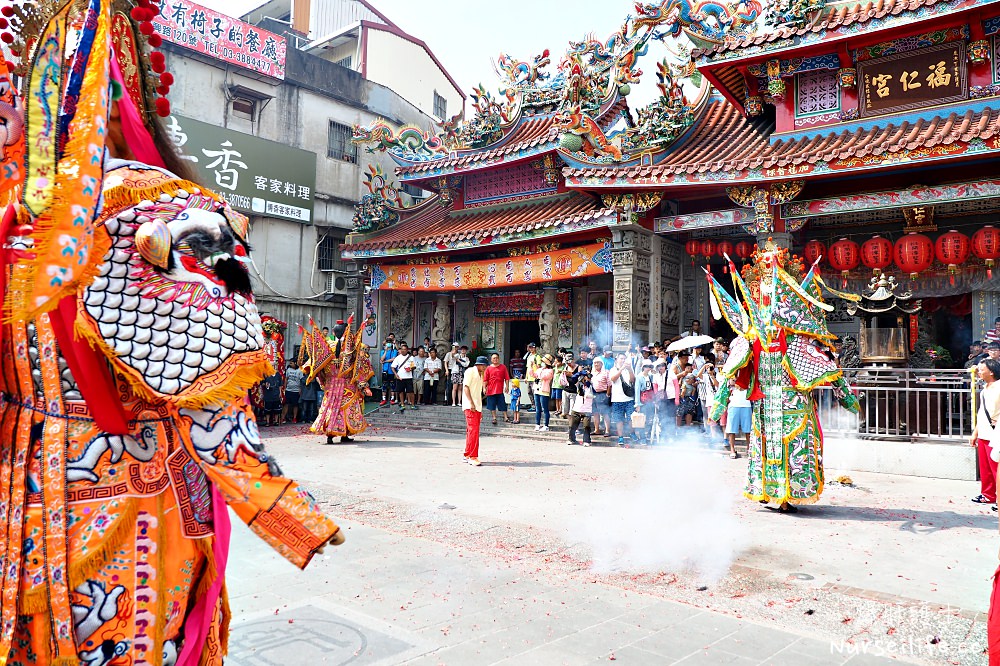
<point>433,369</point>
<point>472,404</point>
<point>419,359</point>
<point>402,368</point>
<point>449,366</point>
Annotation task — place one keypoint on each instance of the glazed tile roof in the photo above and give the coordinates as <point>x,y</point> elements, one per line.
<point>726,141</point>
<point>437,225</point>
<point>529,134</point>
<point>846,19</point>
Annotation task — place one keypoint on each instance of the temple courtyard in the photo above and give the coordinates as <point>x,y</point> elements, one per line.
<point>553,554</point>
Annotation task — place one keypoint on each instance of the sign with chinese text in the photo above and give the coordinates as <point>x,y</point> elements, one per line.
<point>575,262</point>
<point>255,176</point>
<point>219,36</point>
<point>915,79</point>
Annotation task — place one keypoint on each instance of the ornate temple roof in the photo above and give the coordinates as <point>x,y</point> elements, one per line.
<point>747,154</point>
<point>527,137</point>
<point>836,21</point>
<point>436,228</point>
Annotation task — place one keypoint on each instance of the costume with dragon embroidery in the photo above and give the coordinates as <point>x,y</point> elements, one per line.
<point>130,340</point>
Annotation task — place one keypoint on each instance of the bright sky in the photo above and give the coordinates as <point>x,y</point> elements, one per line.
<point>467,36</point>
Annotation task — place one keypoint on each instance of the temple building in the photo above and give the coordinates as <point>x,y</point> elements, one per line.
<point>863,135</point>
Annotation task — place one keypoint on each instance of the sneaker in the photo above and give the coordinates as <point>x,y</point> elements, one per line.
<point>621,441</point>
<point>383,403</point>
<point>538,428</point>
<point>475,462</point>
<point>544,429</point>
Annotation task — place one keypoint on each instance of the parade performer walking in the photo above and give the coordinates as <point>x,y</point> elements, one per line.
<point>344,370</point>
<point>782,353</point>
<point>131,339</point>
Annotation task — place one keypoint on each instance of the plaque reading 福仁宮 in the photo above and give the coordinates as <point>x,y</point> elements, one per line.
<point>915,79</point>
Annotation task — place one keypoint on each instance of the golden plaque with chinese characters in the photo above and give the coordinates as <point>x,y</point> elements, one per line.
<point>912,80</point>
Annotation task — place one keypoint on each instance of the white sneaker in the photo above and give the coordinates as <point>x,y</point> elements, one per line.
<point>538,428</point>
<point>544,429</point>
<point>475,462</point>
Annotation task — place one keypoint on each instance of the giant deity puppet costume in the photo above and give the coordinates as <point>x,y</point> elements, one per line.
<point>130,339</point>
<point>782,353</point>
<point>343,366</point>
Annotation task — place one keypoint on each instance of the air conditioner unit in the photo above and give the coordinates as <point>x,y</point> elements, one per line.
<point>337,284</point>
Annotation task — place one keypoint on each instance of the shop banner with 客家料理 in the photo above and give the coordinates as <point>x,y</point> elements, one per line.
<point>256,176</point>
<point>565,264</point>
<point>223,37</point>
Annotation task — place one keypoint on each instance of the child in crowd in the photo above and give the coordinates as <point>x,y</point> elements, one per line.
<point>515,399</point>
<point>689,400</point>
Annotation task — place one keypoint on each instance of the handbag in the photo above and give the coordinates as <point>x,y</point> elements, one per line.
<point>638,420</point>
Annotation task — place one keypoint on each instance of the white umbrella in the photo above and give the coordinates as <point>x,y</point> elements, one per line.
<point>690,341</point>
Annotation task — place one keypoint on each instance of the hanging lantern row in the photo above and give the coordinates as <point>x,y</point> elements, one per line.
<point>913,254</point>
<point>708,249</point>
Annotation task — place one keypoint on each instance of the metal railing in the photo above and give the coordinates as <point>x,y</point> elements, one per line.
<point>902,404</point>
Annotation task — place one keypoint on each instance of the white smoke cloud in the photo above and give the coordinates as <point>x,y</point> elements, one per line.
<point>679,518</point>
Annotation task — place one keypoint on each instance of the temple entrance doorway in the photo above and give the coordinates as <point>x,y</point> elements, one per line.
<point>521,333</point>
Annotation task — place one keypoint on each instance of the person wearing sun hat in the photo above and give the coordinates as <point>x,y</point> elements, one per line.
<point>472,405</point>
<point>543,390</point>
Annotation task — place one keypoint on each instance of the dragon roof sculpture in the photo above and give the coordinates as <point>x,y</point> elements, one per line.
<point>582,95</point>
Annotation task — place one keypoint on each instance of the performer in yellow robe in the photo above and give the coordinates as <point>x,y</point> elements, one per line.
<point>131,340</point>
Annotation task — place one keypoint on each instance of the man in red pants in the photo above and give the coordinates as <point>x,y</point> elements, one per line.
<point>472,403</point>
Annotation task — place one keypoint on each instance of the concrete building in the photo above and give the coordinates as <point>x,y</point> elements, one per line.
<point>284,125</point>
<point>356,35</point>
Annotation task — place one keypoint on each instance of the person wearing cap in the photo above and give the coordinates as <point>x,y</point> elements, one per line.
<point>569,373</point>
<point>449,368</point>
<point>472,404</point>
<point>664,409</point>
<point>645,403</point>
<point>543,389</point>
<point>533,362</point>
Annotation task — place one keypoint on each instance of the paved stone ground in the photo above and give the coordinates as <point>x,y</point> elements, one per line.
<point>552,554</point>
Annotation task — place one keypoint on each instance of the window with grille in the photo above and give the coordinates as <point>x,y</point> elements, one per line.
<point>816,92</point>
<point>344,62</point>
<point>328,256</point>
<point>502,183</point>
<point>440,106</point>
<point>996,63</point>
<point>339,146</point>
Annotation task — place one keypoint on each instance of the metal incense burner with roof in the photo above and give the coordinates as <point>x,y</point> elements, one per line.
<point>884,334</point>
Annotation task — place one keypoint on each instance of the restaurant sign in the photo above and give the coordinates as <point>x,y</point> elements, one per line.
<point>574,262</point>
<point>915,79</point>
<point>223,37</point>
<point>256,176</point>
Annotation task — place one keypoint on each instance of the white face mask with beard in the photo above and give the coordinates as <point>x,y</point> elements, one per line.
<point>173,326</point>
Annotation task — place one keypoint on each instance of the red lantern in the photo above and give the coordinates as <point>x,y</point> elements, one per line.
<point>914,253</point>
<point>876,254</point>
<point>813,250</point>
<point>986,246</point>
<point>693,248</point>
<point>708,250</point>
<point>845,257</point>
<point>952,249</point>
<point>725,250</point>
<point>744,250</point>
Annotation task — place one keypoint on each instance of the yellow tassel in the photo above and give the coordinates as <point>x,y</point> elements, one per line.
<point>224,621</point>
<point>81,571</point>
<point>121,197</point>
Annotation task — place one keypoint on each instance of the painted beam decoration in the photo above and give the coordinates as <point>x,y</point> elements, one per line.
<point>894,199</point>
<point>222,37</point>
<point>709,220</point>
<point>256,176</point>
<point>913,80</point>
<point>576,262</point>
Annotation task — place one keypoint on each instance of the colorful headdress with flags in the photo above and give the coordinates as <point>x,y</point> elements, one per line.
<point>74,58</point>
